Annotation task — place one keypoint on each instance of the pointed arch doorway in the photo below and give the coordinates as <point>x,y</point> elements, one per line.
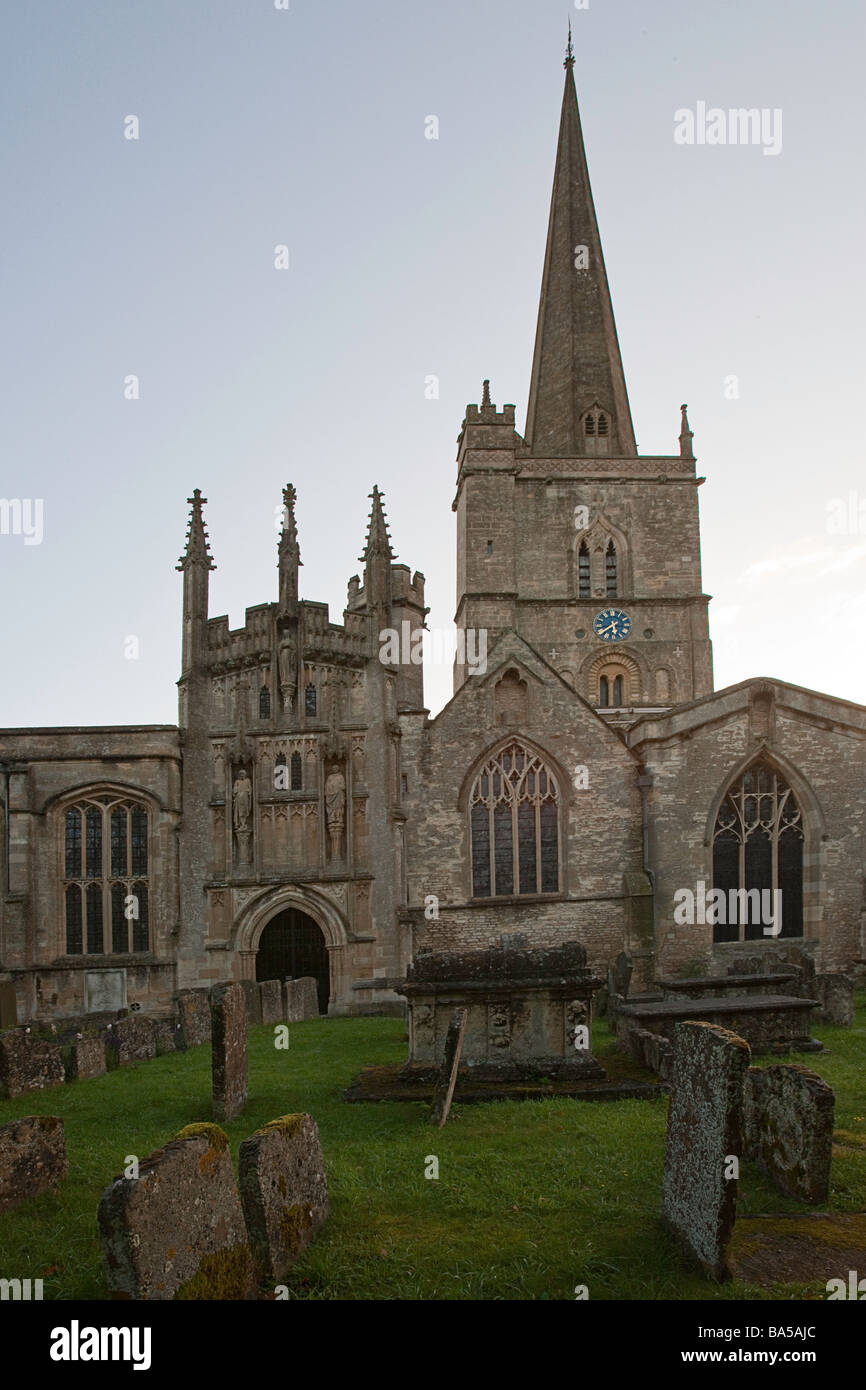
<point>291,946</point>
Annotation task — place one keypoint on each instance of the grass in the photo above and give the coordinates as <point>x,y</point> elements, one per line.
<point>533,1198</point>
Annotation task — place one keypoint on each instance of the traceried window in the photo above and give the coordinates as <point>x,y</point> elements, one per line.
<point>296,772</point>
<point>264,703</point>
<point>106,877</point>
<point>584,589</point>
<point>514,826</point>
<point>757,852</point>
<point>310,700</point>
<point>610,570</point>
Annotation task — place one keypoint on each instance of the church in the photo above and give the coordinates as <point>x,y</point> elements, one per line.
<point>306,816</point>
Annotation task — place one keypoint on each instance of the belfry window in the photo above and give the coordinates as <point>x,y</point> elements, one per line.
<point>514,826</point>
<point>589,424</point>
<point>611,687</point>
<point>610,570</point>
<point>758,859</point>
<point>106,879</point>
<point>584,589</point>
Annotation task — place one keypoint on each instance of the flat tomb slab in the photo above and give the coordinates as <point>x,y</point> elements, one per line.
<point>417,1082</point>
<point>683,1008</point>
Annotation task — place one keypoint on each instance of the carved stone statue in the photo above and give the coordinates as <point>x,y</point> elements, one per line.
<point>335,809</point>
<point>242,800</point>
<point>288,661</point>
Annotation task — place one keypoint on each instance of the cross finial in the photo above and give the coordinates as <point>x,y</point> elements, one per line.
<point>569,53</point>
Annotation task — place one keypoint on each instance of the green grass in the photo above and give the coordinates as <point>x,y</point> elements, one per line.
<point>533,1197</point>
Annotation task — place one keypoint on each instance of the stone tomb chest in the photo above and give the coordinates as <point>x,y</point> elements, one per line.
<point>528,1011</point>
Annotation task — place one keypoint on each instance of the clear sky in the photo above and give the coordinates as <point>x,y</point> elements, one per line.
<point>408,258</point>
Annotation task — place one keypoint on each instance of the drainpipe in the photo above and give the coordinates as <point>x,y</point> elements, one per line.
<point>4,768</point>
<point>645,781</point>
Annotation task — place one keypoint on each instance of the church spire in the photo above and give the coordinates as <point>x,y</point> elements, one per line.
<point>378,540</point>
<point>577,366</point>
<point>196,563</point>
<point>289,552</point>
<point>197,544</point>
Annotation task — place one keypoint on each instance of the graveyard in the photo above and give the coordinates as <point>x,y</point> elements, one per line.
<point>510,1200</point>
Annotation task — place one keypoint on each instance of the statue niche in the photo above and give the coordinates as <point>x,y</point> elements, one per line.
<point>242,810</point>
<point>335,810</point>
<point>288,664</point>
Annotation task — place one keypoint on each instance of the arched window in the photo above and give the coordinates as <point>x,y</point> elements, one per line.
<point>612,685</point>
<point>583,572</point>
<point>610,570</point>
<point>264,703</point>
<point>106,877</point>
<point>310,700</point>
<point>296,772</point>
<point>757,855</point>
<point>514,826</point>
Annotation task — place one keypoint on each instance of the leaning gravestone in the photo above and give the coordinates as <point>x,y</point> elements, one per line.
<point>193,1012</point>
<point>619,975</point>
<point>177,1230</point>
<point>272,1001</point>
<point>284,1191</point>
<point>704,1132</point>
<point>444,1093</point>
<point>86,1059</point>
<point>788,1128</point>
<point>835,993</point>
<point>229,1056</point>
<point>166,1032</point>
<point>302,999</point>
<point>253,996</point>
<point>32,1158</point>
<point>130,1039</point>
<point>28,1063</point>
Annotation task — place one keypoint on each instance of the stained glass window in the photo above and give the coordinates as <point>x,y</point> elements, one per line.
<point>757,855</point>
<point>98,891</point>
<point>514,826</point>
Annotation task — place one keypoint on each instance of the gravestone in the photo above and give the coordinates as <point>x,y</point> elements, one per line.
<point>704,1131</point>
<point>229,1056</point>
<point>619,975</point>
<point>444,1093</point>
<point>32,1158</point>
<point>284,1191</point>
<point>104,991</point>
<point>86,1058</point>
<point>28,1063</point>
<point>193,1012</point>
<point>788,1128</point>
<point>272,1001</point>
<point>130,1039</point>
<point>302,999</point>
<point>835,994</point>
<point>177,1230</point>
<point>253,998</point>
<point>166,1032</point>
<point>8,1005</point>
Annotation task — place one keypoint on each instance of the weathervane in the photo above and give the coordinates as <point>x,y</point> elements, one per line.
<point>569,56</point>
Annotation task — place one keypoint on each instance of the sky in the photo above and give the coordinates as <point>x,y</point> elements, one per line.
<point>736,277</point>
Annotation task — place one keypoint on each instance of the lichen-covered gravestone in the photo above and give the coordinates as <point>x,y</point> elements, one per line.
<point>130,1039</point>
<point>704,1133</point>
<point>253,996</point>
<point>788,1128</point>
<point>284,1191</point>
<point>32,1158</point>
<point>177,1230</point>
<point>166,1032</point>
<point>86,1058</point>
<point>302,999</point>
<point>229,1056</point>
<point>193,1012</point>
<point>835,993</point>
<point>28,1064</point>
<point>272,1001</point>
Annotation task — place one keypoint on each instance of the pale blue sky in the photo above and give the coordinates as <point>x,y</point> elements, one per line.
<point>409,257</point>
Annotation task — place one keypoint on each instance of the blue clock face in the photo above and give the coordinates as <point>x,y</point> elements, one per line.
<point>612,625</point>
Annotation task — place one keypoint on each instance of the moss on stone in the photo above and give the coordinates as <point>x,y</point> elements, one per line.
<point>840,1232</point>
<point>216,1137</point>
<point>284,1124</point>
<point>295,1223</point>
<point>224,1274</point>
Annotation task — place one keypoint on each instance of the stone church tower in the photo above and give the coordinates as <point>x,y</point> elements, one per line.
<point>568,519</point>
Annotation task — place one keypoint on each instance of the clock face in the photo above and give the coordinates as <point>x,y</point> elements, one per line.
<point>612,625</point>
